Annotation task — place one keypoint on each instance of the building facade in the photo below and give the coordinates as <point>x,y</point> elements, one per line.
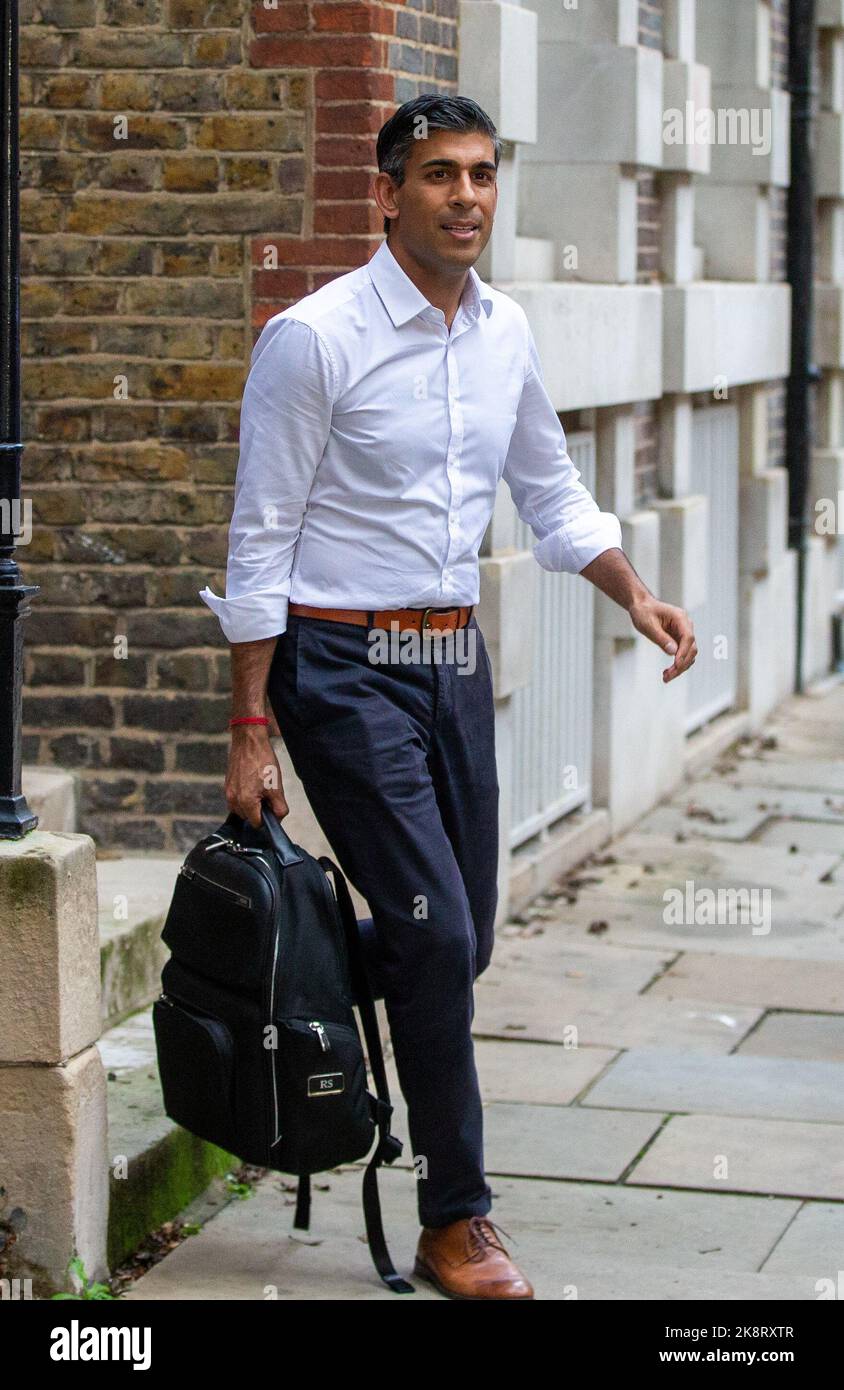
<point>190,170</point>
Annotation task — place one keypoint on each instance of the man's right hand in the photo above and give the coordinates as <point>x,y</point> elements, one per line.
<point>253,774</point>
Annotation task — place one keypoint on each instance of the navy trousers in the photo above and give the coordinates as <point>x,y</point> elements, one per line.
<point>398,763</point>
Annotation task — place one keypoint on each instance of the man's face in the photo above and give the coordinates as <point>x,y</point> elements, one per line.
<point>448,199</point>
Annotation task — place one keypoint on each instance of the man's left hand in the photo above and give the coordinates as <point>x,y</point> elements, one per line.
<point>670,628</point>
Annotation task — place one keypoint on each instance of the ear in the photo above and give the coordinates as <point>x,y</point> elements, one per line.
<point>384,193</point>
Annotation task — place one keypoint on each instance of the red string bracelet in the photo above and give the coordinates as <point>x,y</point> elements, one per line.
<point>249,719</point>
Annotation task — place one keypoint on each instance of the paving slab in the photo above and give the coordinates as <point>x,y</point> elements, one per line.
<point>537,1073</point>
<point>548,1011</point>
<point>573,1240</point>
<point>775,984</point>
<point>670,1080</point>
<point>786,1157</point>
<point>812,1243</point>
<point>551,950</point>
<point>711,807</point>
<point>545,1141</point>
<point>820,773</point>
<point>803,836</point>
<point>806,924</point>
<point>650,863</point>
<point>810,1037</point>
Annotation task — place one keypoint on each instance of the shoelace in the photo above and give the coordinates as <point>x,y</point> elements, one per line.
<point>482,1233</point>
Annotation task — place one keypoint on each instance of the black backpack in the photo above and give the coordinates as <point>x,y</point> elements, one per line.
<point>257,1042</point>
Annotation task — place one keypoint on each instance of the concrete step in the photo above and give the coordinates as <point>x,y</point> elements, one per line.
<point>51,793</point>
<point>534,259</point>
<point>157,1168</point>
<point>134,894</point>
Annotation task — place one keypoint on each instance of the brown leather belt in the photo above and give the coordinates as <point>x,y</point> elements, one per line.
<point>418,619</point>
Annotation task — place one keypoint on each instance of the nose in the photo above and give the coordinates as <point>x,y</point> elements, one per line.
<point>464,191</point>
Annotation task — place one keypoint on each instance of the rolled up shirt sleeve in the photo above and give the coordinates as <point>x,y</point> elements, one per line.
<point>545,485</point>
<point>285,422</point>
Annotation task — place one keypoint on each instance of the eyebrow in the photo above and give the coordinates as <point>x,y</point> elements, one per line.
<point>449,163</point>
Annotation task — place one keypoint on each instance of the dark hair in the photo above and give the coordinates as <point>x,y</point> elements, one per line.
<point>397,135</point>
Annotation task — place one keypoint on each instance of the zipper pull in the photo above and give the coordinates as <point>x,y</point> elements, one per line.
<point>321,1034</point>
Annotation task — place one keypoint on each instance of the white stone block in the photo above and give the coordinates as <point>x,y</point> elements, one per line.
<point>679,30</point>
<point>829,325</point>
<point>764,518</point>
<point>615,447</point>
<point>830,406</point>
<point>831,14</point>
<point>50,976</point>
<point>497,261</point>
<point>830,155</point>
<point>830,240</point>
<point>640,541</point>
<point>53,1122</point>
<point>600,105</point>
<point>589,212</point>
<point>677,249</point>
<point>734,40</point>
<point>535,258</point>
<point>832,71</point>
<point>497,64</point>
<point>752,135</point>
<point>683,549</point>
<point>675,446</point>
<point>585,22</point>
<point>754,429</point>
<point>686,90</point>
<point>826,494</point>
<point>722,333</point>
<point>599,344</point>
<point>733,226</point>
<point>508,592</point>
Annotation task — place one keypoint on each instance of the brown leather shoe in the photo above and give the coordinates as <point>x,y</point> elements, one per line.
<point>467,1260</point>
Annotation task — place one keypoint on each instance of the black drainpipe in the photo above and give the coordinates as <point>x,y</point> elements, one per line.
<point>801,275</point>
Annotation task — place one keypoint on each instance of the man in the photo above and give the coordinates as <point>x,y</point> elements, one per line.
<point>379,415</point>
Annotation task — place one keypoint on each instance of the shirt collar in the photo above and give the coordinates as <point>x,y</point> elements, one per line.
<point>403,300</point>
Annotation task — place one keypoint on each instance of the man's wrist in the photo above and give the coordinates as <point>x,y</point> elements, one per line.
<point>639,595</point>
<point>259,728</point>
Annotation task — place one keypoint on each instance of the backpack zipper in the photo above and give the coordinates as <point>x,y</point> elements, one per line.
<point>241,899</point>
<point>322,1035</point>
<point>256,854</point>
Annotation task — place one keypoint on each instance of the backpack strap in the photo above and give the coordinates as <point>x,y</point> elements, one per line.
<point>388,1147</point>
<point>302,1218</point>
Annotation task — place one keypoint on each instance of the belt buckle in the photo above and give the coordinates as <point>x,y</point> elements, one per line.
<point>436,631</point>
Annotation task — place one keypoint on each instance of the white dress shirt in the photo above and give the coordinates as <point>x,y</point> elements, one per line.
<point>372,442</point>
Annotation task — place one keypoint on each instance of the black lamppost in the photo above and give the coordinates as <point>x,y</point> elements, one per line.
<point>801,275</point>
<point>16,819</point>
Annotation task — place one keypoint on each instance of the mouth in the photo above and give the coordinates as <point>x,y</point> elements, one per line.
<point>461,230</point>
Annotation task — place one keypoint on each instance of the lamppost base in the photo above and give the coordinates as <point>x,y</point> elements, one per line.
<point>16,818</point>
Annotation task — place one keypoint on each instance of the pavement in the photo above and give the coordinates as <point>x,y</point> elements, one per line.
<point>660,1043</point>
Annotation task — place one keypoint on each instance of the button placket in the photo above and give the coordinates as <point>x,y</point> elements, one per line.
<point>455,447</point>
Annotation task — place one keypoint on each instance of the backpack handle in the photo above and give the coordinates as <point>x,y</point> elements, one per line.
<point>281,842</point>
<point>288,853</point>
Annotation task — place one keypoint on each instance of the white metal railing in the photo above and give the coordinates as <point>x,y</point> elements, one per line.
<point>711,684</point>
<point>552,715</point>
